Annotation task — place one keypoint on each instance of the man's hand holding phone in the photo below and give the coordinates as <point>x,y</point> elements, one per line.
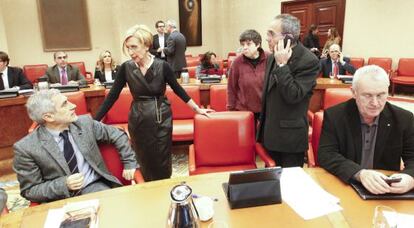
<point>341,58</point>
<point>282,53</point>
<point>401,183</point>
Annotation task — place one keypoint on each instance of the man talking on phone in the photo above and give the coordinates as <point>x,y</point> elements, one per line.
<point>336,63</point>
<point>290,76</point>
<point>366,133</point>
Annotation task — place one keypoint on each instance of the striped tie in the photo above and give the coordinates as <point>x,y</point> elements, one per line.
<point>70,157</point>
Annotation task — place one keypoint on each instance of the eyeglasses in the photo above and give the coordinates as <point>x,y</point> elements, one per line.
<point>161,26</point>
<point>62,57</point>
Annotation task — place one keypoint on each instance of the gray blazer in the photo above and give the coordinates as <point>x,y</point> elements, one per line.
<point>53,75</point>
<point>42,169</point>
<point>3,199</point>
<point>175,51</point>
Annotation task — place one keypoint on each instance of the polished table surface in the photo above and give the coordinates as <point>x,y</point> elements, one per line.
<point>147,205</point>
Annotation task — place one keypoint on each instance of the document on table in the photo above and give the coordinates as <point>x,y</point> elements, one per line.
<point>305,196</point>
<point>403,220</point>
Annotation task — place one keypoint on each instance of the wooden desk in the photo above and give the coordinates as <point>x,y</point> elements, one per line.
<point>147,205</point>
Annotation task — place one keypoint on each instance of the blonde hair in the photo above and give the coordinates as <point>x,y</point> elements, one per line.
<point>101,65</point>
<point>142,33</point>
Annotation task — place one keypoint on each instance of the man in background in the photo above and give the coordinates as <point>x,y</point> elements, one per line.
<point>336,63</point>
<point>61,157</point>
<point>159,41</point>
<point>12,77</point>
<point>366,133</point>
<point>175,50</point>
<point>62,72</point>
<point>290,76</point>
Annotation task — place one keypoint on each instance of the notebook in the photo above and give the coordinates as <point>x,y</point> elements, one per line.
<point>366,195</point>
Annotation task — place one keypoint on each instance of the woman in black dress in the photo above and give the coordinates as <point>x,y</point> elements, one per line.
<point>150,119</point>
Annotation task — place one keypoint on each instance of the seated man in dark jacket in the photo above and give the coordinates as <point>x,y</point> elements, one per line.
<point>335,63</point>
<point>12,77</point>
<point>366,134</point>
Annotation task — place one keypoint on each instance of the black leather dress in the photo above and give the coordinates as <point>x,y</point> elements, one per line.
<point>150,117</point>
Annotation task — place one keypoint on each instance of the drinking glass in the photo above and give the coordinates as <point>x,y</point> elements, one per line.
<point>331,75</point>
<point>218,224</point>
<point>384,217</point>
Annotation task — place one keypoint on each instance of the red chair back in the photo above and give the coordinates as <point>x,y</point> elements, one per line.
<point>218,97</point>
<point>405,67</point>
<point>180,110</point>
<point>113,162</point>
<point>192,71</point>
<point>78,98</point>
<point>226,138</point>
<point>385,63</point>
<point>334,96</point>
<point>316,134</point>
<point>80,66</point>
<point>33,72</point>
<point>193,61</point>
<point>357,62</point>
<point>120,110</point>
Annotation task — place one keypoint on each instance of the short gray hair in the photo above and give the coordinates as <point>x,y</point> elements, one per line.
<point>172,23</point>
<point>375,72</point>
<point>290,25</point>
<point>40,103</point>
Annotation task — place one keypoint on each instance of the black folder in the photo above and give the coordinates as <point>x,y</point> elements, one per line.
<point>65,88</point>
<point>255,187</point>
<point>366,195</point>
<point>8,93</point>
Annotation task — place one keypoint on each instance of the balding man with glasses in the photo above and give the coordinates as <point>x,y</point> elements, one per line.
<point>366,133</point>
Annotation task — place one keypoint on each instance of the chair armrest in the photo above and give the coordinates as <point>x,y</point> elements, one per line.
<point>32,127</point>
<point>138,178</point>
<point>33,204</point>
<point>5,210</point>
<point>191,159</point>
<point>264,156</point>
<point>311,158</point>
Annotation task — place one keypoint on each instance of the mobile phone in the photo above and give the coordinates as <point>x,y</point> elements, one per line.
<point>391,180</point>
<point>288,37</point>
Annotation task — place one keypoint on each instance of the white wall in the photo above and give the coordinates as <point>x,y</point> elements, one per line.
<point>3,38</point>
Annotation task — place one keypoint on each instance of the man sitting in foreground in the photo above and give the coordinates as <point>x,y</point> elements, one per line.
<point>61,158</point>
<point>367,133</point>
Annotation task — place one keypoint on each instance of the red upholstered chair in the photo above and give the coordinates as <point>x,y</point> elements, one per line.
<point>192,71</point>
<point>314,144</point>
<point>33,72</point>
<point>193,61</point>
<point>225,142</point>
<point>5,210</point>
<point>115,167</point>
<point>118,114</point>
<point>357,62</point>
<point>183,126</point>
<point>77,98</point>
<point>81,65</point>
<point>404,74</point>
<point>218,97</point>
<point>385,63</point>
<point>334,96</point>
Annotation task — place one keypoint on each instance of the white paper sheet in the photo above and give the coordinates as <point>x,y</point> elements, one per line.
<point>305,196</point>
<point>54,218</point>
<point>403,220</point>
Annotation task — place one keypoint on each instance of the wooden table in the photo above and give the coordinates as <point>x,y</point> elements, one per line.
<point>146,205</point>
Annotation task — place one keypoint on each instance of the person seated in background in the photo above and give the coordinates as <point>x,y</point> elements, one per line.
<point>106,67</point>
<point>311,41</point>
<point>366,133</point>
<point>3,199</point>
<point>336,63</point>
<point>62,72</point>
<point>61,157</point>
<point>247,72</point>
<point>208,65</point>
<point>12,77</point>
<point>333,38</point>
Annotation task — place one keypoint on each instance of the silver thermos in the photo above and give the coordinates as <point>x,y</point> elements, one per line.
<point>182,213</point>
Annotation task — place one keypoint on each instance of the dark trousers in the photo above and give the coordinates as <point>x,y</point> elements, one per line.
<point>287,159</point>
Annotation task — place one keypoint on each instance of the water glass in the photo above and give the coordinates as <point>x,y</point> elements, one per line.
<point>384,217</point>
<point>331,75</point>
<point>218,224</point>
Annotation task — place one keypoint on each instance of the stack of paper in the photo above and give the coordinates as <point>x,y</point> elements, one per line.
<point>78,214</point>
<point>305,196</point>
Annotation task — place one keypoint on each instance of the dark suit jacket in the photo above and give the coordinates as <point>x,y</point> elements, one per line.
<point>326,67</point>
<point>285,100</point>
<point>341,141</point>
<point>175,51</point>
<point>53,75</point>
<point>101,75</point>
<point>156,45</point>
<point>16,77</point>
<point>41,167</point>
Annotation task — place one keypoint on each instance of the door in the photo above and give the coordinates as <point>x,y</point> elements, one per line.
<point>323,13</point>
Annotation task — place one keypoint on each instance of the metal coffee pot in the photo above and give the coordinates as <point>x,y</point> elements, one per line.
<point>182,213</point>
